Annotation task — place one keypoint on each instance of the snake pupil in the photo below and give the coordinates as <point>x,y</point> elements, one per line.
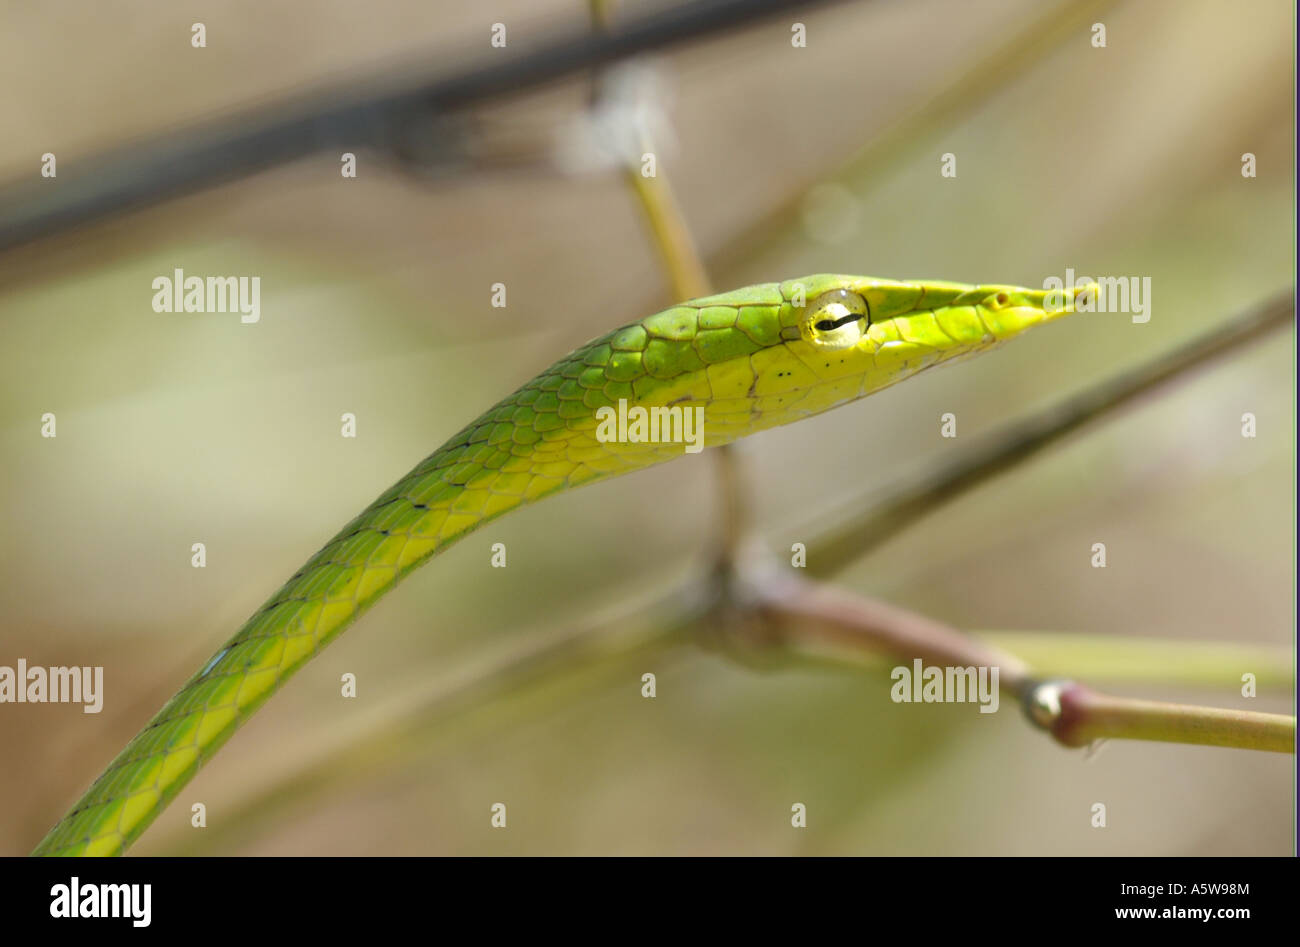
<point>827,325</point>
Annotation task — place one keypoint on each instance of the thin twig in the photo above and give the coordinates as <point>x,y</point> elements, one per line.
<point>672,237</point>
<point>1078,716</point>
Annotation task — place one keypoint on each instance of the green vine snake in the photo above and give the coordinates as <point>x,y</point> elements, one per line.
<point>752,359</point>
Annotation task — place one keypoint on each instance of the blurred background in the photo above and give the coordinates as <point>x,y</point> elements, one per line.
<point>175,429</point>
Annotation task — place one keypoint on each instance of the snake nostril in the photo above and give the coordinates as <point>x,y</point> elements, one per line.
<point>1001,299</point>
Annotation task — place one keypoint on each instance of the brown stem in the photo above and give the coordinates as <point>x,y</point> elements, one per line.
<point>828,619</point>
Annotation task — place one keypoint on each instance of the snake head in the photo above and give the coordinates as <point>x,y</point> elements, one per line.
<point>879,332</point>
<point>770,354</point>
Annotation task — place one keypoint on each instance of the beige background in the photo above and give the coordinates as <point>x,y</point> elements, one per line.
<point>177,429</point>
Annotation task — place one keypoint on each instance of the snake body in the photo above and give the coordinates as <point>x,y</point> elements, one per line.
<point>752,359</point>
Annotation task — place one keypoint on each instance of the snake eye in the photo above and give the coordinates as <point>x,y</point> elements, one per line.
<point>837,318</point>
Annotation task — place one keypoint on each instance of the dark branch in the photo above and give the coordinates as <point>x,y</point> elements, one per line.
<point>402,120</point>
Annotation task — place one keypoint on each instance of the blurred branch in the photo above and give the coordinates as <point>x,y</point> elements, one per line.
<point>407,120</point>
<point>854,536</point>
